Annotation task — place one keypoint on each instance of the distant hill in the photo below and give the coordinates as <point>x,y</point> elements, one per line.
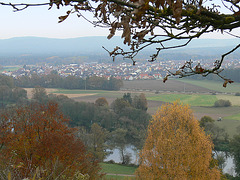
<point>84,45</point>
<point>38,45</point>
<point>91,48</point>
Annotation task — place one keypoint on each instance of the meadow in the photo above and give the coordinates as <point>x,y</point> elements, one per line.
<point>9,68</point>
<point>191,99</point>
<point>118,171</point>
<point>214,85</point>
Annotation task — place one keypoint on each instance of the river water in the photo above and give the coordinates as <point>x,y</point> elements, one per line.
<point>115,156</point>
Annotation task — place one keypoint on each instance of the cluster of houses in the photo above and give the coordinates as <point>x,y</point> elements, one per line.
<point>124,71</point>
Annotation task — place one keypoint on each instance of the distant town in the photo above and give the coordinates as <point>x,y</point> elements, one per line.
<point>124,71</point>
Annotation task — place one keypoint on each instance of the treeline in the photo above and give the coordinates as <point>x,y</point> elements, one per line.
<point>69,82</point>
<point>232,74</point>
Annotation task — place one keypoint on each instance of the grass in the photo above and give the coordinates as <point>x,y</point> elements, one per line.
<point>230,116</point>
<point>235,100</point>
<point>234,117</point>
<point>9,68</point>
<point>192,100</point>
<point>117,169</point>
<point>221,111</point>
<point>214,85</point>
<point>112,177</point>
<point>229,125</point>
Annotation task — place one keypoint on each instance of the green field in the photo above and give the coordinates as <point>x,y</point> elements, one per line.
<point>214,85</point>
<point>235,100</point>
<point>112,177</point>
<point>9,68</point>
<point>115,169</point>
<point>192,100</point>
<point>234,117</point>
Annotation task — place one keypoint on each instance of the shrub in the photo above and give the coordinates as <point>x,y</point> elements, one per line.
<point>237,94</point>
<point>204,120</point>
<point>222,103</point>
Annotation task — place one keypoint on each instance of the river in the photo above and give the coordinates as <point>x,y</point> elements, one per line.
<point>115,156</point>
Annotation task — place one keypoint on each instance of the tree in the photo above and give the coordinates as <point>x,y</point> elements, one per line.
<point>145,23</point>
<point>37,136</point>
<point>98,138</point>
<point>140,102</point>
<point>101,101</point>
<point>119,104</point>
<point>222,103</point>
<point>204,120</point>
<point>39,94</point>
<point>176,147</point>
<point>6,81</point>
<point>18,94</point>
<point>127,97</point>
<point>119,141</point>
<point>5,93</point>
<point>235,151</point>
<point>218,135</point>
<point>115,84</point>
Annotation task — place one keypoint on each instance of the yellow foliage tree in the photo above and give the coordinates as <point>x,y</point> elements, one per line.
<point>176,147</point>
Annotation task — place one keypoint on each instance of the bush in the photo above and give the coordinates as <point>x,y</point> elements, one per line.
<point>237,94</point>
<point>222,103</point>
<point>111,161</point>
<point>204,120</point>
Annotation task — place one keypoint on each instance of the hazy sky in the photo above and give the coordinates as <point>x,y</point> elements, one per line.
<point>41,22</point>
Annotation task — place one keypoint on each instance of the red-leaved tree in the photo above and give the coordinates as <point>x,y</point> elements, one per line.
<point>35,140</point>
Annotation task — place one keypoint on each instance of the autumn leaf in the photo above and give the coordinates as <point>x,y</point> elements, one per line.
<point>199,69</point>
<point>177,11</point>
<point>226,82</point>
<point>165,78</point>
<point>159,2</point>
<point>178,73</point>
<point>62,18</point>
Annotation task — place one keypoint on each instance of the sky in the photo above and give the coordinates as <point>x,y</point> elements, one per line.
<point>41,22</point>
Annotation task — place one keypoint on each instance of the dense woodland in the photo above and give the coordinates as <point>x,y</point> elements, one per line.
<point>54,80</point>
